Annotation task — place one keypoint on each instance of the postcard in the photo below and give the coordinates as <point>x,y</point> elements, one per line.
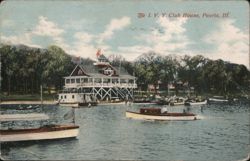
<point>124,80</point>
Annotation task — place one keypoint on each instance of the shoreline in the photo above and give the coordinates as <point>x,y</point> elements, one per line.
<point>28,102</point>
<point>50,102</point>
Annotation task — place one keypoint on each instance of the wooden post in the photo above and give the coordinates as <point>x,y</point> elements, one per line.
<point>41,87</point>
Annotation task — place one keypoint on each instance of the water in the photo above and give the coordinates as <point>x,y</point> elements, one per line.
<point>105,134</point>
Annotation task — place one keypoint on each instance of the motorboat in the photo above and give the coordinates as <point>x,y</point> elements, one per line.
<point>159,114</point>
<point>46,132</point>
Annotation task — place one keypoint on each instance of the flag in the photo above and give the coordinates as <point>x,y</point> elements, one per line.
<point>98,53</point>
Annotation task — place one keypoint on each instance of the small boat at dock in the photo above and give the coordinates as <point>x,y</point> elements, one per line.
<point>158,114</point>
<point>177,101</point>
<point>193,102</point>
<point>211,100</point>
<point>77,99</point>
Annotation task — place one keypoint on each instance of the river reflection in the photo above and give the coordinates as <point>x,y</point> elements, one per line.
<point>105,133</point>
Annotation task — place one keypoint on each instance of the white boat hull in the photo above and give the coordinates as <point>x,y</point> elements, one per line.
<point>67,133</point>
<point>217,100</point>
<point>139,116</point>
<point>197,103</point>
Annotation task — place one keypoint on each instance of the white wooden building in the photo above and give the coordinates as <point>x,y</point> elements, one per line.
<point>102,80</point>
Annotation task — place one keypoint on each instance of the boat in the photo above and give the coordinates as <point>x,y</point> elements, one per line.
<point>217,100</point>
<point>46,132</point>
<point>177,101</point>
<point>194,102</point>
<point>163,101</point>
<point>74,99</point>
<point>158,114</point>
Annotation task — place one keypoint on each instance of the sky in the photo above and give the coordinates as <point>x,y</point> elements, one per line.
<point>214,29</point>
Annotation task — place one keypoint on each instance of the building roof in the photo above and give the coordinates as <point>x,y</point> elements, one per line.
<point>96,71</point>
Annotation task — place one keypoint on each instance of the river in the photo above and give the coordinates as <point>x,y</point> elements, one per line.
<point>106,134</point>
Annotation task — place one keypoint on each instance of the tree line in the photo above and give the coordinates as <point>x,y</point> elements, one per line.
<point>24,69</point>
<point>201,73</point>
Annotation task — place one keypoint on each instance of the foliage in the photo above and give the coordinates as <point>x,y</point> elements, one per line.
<point>24,69</point>
<point>205,75</point>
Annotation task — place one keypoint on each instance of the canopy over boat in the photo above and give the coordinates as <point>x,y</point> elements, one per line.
<point>29,116</point>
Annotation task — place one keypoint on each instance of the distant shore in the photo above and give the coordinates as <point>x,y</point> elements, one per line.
<point>50,102</point>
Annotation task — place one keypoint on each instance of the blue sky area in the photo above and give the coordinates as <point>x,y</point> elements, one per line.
<point>130,28</point>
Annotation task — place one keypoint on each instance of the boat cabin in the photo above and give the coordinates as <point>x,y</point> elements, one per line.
<point>150,111</point>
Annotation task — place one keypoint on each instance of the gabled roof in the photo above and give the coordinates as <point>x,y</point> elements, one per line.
<point>95,71</point>
<point>76,71</point>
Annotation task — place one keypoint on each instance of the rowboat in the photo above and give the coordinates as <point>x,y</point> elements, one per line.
<point>193,103</point>
<point>157,114</point>
<point>42,133</point>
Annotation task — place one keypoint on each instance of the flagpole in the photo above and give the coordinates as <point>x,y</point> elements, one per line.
<point>74,121</point>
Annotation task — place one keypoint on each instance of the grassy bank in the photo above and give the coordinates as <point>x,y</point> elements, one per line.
<point>27,97</point>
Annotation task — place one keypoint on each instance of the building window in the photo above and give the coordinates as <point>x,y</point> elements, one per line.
<point>114,80</point>
<point>78,80</point>
<point>85,80</point>
<point>123,81</point>
<point>73,96</point>
<point>67,81</point>
<point>80,72</point>
<point>61,97</point>
<point>98,80</point>
<point>131,81</point>
<point>105,80</point>
<point>108,72</point>
<point>65,96</point>
<point>72,80</point>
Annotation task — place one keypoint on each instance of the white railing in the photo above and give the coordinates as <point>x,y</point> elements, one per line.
<point>120,85</point>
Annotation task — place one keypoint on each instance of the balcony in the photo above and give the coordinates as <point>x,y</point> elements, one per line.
<point>104,85</point>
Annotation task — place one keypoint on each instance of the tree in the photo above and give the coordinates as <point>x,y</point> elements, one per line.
<point>147,69</point>
<point>57,65</point>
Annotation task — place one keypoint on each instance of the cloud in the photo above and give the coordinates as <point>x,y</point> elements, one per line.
<point>84,37</point>
<point>20,39</point>
<point>86,44</point>
<point>7,23</point>
<point>114,25</point>
<point>169,37</point>
<point>43,28</point>
<point>132,52</point>
<point>232,44</point>
<point>47,28</point>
